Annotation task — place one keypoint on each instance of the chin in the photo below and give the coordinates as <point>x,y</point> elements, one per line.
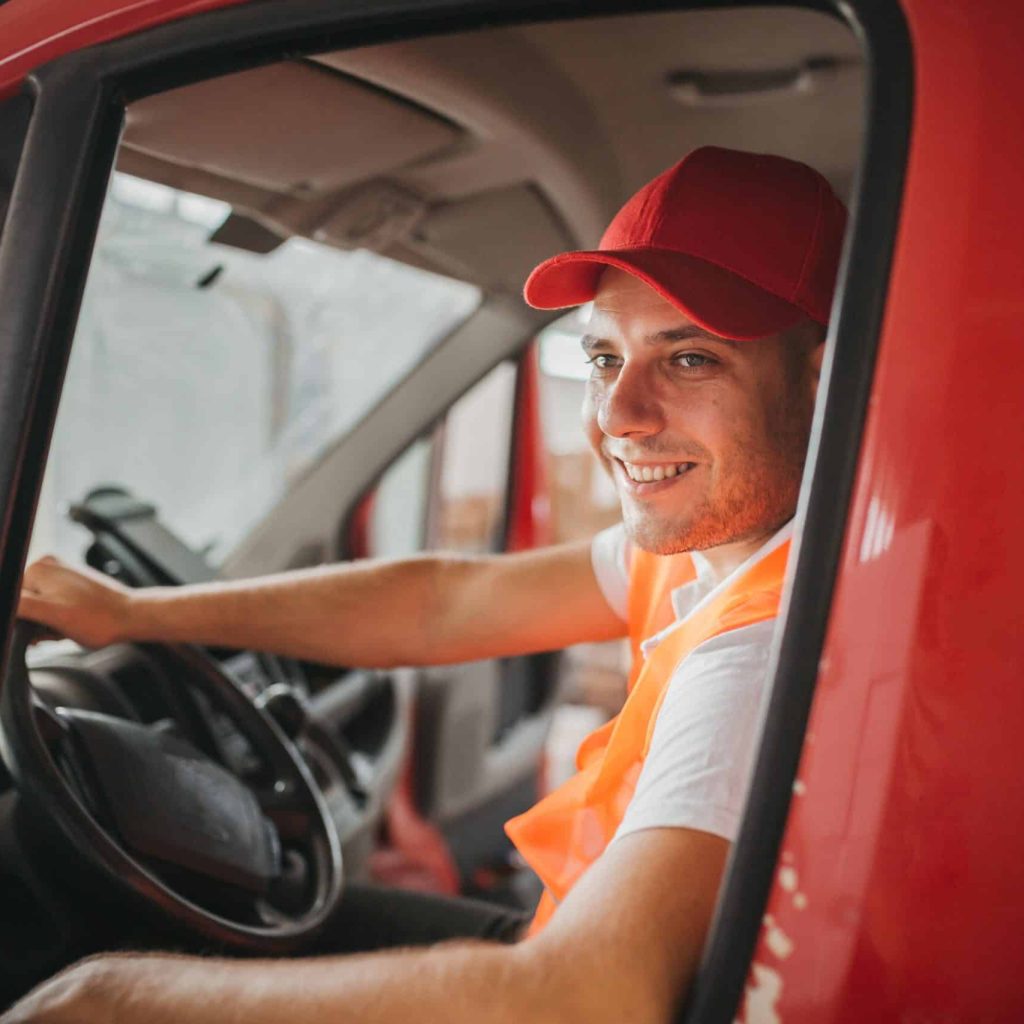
<point>659,537</point>
<point>696,533</point>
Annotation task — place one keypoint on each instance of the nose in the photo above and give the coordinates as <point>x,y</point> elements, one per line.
<point>629,406</point>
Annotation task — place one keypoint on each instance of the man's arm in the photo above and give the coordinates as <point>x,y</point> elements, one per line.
<point>376,614</point>
<point>622,947</point>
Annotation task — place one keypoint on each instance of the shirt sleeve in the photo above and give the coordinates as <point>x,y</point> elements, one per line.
<point>609,555</point>
<point>697,771</point>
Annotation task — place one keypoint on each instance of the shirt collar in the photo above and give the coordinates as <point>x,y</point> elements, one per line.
<point>689,597</point>
<point>693,595</point>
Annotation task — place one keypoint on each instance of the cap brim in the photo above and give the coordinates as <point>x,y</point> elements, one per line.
<point>715,299</point>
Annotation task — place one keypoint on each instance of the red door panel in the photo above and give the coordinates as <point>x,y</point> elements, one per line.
<point>36,31</point>
<point>899,894</point>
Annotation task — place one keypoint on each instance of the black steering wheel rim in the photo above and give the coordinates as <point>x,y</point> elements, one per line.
<point>43,786</point>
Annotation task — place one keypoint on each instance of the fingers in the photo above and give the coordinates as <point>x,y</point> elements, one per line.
<point>36,609</point>
<point>41,634</point>
<point>49,577</point>
<point>29,605</point>
<point>75,602</point>
<point>45,560</point>
<point>37,572</point>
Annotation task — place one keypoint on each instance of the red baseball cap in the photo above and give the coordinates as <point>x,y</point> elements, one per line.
<point>745,244</point>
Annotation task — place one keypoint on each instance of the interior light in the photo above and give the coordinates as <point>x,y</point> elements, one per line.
<point>727,87</point>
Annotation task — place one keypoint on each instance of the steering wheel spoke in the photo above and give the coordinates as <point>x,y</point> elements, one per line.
<point>59,738</point>
<point>284,806</point>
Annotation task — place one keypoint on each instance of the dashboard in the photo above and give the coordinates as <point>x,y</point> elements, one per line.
<point>350,725</point>
<point>340,720</point>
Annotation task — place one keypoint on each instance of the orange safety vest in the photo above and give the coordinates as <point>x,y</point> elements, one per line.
<point>563,834</point>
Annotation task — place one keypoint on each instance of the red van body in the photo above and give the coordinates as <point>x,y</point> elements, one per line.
<point>899,892</point>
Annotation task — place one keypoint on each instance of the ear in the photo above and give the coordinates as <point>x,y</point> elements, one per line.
<point>817,355</point>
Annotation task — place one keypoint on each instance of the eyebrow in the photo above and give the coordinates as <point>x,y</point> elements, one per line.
<point>589,342</point>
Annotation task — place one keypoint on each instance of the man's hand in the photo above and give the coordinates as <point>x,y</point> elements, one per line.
<point>84,605</point>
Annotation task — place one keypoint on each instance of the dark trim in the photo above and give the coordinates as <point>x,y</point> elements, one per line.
<point>15,113</point>
<point>45,247</point>
<point>823,511</point>
<point>238,37</point>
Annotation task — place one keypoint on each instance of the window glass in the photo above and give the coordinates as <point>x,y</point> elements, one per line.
<point>583,497</point>
<point>476,445</point>
<point>398,514</point>
<point>583,502</point>
<point>206,378</point>
<point>450,491</point>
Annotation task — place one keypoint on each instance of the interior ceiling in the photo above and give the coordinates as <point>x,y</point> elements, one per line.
<point>480,154</point>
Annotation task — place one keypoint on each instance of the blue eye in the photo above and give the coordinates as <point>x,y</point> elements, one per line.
<point>692,360</point>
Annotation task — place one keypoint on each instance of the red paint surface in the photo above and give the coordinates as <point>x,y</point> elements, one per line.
<point>530,506</point>
<point>414,854</point>
<point>33,32</point>
<point>906,842</point>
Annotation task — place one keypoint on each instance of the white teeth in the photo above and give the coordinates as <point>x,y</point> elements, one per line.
<point>649,474</point>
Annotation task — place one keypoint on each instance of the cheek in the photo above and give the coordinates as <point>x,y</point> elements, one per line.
<point>590,418</point>
<point>758,438</point>
<point>703,422</point>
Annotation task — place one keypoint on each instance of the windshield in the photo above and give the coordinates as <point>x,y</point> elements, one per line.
<point>206,378</point>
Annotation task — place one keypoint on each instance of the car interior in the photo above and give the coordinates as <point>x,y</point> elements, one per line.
<point>368,215</point>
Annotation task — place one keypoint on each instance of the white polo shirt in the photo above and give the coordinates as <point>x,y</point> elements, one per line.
<point>697,771</point>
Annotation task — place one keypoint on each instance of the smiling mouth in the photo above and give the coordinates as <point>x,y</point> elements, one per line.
<point>650,472</point>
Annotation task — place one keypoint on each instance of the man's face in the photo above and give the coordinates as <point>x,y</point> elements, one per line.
<point>704,437</point>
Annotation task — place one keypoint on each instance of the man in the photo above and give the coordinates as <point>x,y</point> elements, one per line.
<point>711,290</point>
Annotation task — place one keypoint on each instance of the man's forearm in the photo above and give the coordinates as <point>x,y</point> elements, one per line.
<point>373,614</point>
<point>428,610</point>
<point>480,983</point>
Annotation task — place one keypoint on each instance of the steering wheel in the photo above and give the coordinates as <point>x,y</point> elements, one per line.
<point>256,866</point>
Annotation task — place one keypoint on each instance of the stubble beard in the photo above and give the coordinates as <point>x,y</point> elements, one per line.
<point>757,508</point>
<point>749,497</point>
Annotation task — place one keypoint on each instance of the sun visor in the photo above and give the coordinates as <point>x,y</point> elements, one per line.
<point>373,215</point>
<point>293,128</point>
<point>493,239</point>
